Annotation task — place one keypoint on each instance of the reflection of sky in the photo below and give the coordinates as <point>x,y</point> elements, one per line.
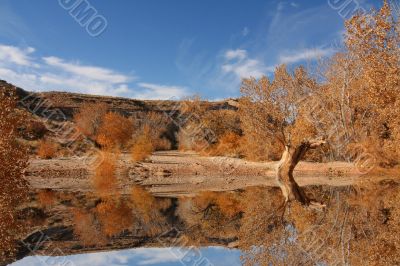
<point>216,256</point>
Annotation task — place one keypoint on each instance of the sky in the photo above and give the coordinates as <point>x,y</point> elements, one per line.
<point>143,257</point>
<point>150,49</point>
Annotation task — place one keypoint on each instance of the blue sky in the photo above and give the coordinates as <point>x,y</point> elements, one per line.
<point>163,49</point>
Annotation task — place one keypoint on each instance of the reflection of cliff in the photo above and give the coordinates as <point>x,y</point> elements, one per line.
<point>56,232</point>
<point>238,218</point>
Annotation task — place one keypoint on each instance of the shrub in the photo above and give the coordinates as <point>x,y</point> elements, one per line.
<point>36,130</point>
<point>46,198</point>
<point>148,208</point>
<point>229,144</point>
<point>47,149</point>
<point>143,147</point>
<point>114,217</point>
<point>86,228</point>
<point>115,131</point>
<point>105,180</point>
<point>161,144</point>
<point>89,118</point>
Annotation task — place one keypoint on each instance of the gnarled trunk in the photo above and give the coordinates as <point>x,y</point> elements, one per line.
<point>284,174</point>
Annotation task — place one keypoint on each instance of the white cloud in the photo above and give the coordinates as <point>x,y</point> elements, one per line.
<point>306,54</point>
<point>19,67</point>
<point>16,55</point>
<point>239,63</point>
<point>160,92</point>
<point>91,72</point>
<point>236,54</point>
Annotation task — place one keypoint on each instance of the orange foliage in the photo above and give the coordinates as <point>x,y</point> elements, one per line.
<point>143,147</point>
<point>229,144</point>
<point>149,209</point>
<point>47,149</point>
<point>105,181</point>
<point>114,217</point>
<point>228,203</point>
<point>14,160</point>
<point>85,228</point>
<point>89,118</point>
<point>47,198</point>
<point>115,131</point>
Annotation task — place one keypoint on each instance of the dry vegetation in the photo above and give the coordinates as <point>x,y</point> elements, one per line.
<point>47,198</point>
<point>142,146</point>
<point>105,181</point>
<point>359,227</point>
<point>351,108</point>
<point>14,160</point>
<point>47,149</point>
<point>115,131</point>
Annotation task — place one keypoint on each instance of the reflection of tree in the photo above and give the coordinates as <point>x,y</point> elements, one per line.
<point>211,215</point>
<point>356,228</point>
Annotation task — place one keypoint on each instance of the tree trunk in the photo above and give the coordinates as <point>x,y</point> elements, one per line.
<point>284,174</point>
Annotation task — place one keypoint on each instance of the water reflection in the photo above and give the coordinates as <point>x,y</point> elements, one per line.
<point>217,256</point>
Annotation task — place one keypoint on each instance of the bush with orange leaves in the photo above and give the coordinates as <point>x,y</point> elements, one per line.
<point>115,216</point>
<point>230,144</point>
<point>14,160</point>
<point>143,146</point>
<point>89,118</point>
<point>47,149</point>
<point>115,131</point>
<point>46,198</point>
<point>149,209</point>
<point>105,181</point>
<point>86,228</point>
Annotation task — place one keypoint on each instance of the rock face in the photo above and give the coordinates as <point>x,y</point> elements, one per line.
<point>42,103</point>
<point>61,106</point>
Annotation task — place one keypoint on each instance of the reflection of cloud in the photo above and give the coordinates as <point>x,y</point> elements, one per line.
<point>141,256</point>
<point>154,256</point>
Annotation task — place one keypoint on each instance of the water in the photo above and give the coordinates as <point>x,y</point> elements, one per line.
<point>208,256</point>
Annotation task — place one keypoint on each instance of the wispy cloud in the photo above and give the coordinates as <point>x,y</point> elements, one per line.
<point>91,72</point>
<point>305,54</point>
<point>16,55</point>
<point>239,63</point>
<point>157,91</point>
<point>20,67</point>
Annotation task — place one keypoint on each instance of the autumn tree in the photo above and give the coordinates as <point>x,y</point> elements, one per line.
<point>277,109</point>
<point>373,44</point>
<point>14,160</point>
